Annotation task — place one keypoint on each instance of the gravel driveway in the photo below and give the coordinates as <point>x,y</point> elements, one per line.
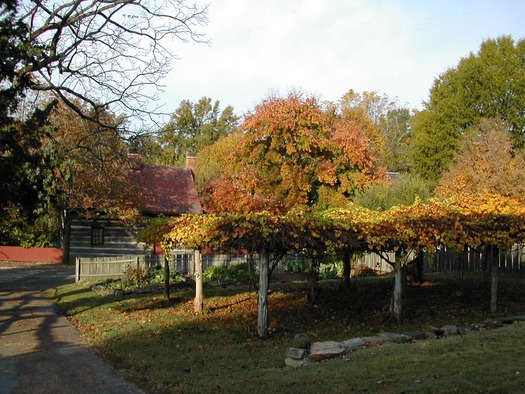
<point>40,351</point>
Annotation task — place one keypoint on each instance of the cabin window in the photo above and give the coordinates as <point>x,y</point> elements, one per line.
<point>97,234</point>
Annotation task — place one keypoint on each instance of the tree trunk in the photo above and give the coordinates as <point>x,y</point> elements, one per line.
<point>313,280</point>
<point>493,257</point>
<point>166,275</point>
<point>420,267</point>
<point>395,306</point>
<point>485,263</point>
<point>65,236</point>
<point>262,313</point>
<point>347,268</point>
<point>198,303</point>
<point>251,271</point>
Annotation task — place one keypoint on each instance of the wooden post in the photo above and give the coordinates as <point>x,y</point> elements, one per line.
<point>262,312</point>
<point>66,236</point>
<point>396,306</point>
<point>347,267</point>
<point>494,263</point>
<point>198,304</point>
<point>167,274</point>
<point>77,270</point>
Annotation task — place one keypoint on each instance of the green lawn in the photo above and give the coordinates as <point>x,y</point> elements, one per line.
<point>167,348</point>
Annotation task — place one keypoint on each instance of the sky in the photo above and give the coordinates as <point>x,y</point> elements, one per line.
<point>327,47</point>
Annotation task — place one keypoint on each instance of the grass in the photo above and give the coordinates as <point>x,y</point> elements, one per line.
<point>166,348</point>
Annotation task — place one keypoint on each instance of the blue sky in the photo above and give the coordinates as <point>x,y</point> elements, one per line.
<point>327,47</point>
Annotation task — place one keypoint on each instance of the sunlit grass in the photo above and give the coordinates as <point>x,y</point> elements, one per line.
<point>165,347</point>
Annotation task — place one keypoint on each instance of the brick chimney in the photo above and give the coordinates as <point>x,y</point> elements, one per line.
<point>190,162</point>
<point>135,160</point>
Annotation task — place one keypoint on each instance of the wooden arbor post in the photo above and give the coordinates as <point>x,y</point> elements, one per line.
<point>198,303</point>
<point>262,312</point>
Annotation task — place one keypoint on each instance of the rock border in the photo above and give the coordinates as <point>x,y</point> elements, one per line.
<point>303,352</point>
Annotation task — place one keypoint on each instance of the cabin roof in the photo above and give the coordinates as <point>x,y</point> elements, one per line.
<point>167,191</point>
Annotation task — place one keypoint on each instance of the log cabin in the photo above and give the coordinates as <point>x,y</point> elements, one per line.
<point>165,191</point>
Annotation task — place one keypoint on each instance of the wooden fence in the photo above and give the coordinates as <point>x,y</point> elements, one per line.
<point>511,262</point>
<point>97,268</point>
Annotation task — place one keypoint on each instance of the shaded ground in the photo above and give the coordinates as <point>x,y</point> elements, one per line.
<point>168,348</point>
<point>446,299</point>
<point>40,351</point>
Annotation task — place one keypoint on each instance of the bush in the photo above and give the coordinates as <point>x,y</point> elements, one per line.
<point>406,190</point>
<point>218,273</point>
<point>136,276</point>
<point>363,270</point>
<point>330,270</point>
<point>156,275</point>
<point>237,274</point>
<point>295,265</point>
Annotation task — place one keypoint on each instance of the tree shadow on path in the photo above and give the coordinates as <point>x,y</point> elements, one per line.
<point>40,351</point>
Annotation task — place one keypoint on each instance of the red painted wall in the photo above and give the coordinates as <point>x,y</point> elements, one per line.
<point>18,253</point>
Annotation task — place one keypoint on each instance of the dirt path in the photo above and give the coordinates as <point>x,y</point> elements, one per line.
<point>40,351</point>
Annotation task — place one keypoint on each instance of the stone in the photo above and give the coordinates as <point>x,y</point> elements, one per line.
<point>293,363</point>
<point>301,341</point>
<point>325,350</point>
<point>512,319</point>
<point>450,330</point>
<point>351,345</point>
<point>478,326</point>
<point>295,353</point>
<point>419,335</point>
<point>376,340</point>
<point>437,331</point>
<point>396,338</point>
<point>320,351</point>
<point>493,323</point>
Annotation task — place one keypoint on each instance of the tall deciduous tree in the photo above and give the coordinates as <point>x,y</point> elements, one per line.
<point>396,127</point>
<point>486,84</point>
<point>294,152</point>
<point>385,122</point>
<point>88,168</point>
<point>94,55</point>
<point>103,53</point>
<point>486,163</point>
<point>216,159</point>
<point>21,165</point>
<point>406,189</point>
<point>192,127</point>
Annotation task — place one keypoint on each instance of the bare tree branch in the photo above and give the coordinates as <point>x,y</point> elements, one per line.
<point>106,53</point>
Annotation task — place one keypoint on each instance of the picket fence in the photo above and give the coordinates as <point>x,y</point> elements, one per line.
<point>98,268</point>
<point>443,260</point>
<point>510,261</point>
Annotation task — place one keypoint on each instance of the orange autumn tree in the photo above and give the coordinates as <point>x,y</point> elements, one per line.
<point>224,183</point>
<point>487,179</point>
<point>294,153</point>
<point>486,164</point>
<point>367,109</point>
